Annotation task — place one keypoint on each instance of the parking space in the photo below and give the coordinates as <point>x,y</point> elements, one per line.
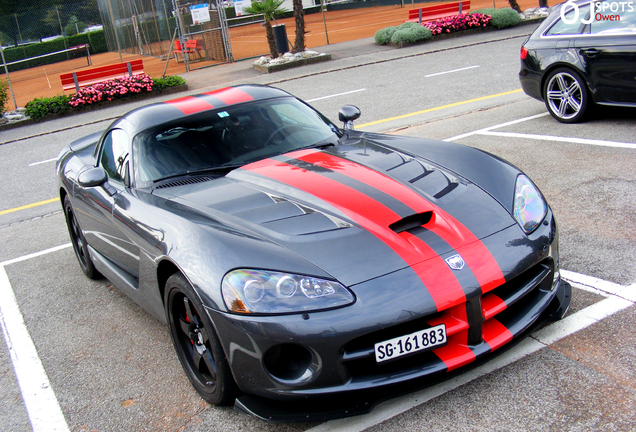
<point>110,366</point>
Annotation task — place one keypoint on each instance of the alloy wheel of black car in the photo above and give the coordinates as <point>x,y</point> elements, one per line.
<point>79,242</point>
<point>566,95</point>
<point>196,343</point>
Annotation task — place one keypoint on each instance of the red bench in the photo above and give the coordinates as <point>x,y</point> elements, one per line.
<point>430,13</point>
<point>88,77</point>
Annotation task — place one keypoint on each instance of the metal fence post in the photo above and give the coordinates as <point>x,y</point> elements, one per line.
<point>322,9</point>
<point>6,70</point>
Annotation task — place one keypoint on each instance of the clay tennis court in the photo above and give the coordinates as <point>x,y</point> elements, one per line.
<point>246,41</point>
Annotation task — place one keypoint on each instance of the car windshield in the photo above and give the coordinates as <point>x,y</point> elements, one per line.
<point>227,138</point>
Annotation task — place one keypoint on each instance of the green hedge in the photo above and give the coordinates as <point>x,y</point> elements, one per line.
<point>407,32</point>
<point>95,39</point>
<point>500,18</point>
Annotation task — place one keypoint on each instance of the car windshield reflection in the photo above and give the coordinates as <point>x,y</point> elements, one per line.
<point>232,136</point>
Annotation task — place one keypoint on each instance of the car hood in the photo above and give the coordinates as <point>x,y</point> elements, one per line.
<point>358,210</point>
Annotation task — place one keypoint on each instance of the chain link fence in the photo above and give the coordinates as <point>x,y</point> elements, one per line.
<point>41,44</point>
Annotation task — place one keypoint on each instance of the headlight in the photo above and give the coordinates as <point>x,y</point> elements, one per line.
<point>269,292</point>
<point>529,206</point>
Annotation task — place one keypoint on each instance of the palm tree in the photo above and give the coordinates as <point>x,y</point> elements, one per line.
<point>299,17</point>
<point>268,8</point>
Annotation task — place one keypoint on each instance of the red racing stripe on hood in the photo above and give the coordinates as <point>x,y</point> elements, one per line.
<point>190,105</point>
<point>375,218</point>
<point>230,95</point>
<point>475,254</point>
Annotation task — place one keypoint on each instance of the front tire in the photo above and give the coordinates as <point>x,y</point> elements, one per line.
<point>566,96</point>
<point>80,246</point>
<point>196,343</point>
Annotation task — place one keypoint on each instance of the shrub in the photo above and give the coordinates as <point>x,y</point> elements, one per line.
<point>457,23</point>
<point>38,108</point>
<point>169,81</point>
<point>4,95</point>
<point>407,32</point>
<point>383,36</point>
<point>110,90</point>
<point>410,34</point>
<point>501,18</point>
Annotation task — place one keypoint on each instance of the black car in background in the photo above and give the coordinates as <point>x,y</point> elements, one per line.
<point>571,63</point>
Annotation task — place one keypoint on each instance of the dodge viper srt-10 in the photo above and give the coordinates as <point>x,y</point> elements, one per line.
<point>306,271</point>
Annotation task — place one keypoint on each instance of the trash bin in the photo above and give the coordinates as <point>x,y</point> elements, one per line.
<point>280,36</point>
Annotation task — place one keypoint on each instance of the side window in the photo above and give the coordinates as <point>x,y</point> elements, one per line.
<point>114,158</point>
<point>561,27</point>
<point>614,18</point>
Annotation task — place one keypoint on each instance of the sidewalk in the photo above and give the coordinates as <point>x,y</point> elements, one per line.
<point>345,55</point>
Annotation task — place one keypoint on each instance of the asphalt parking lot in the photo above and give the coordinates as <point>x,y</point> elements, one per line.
<point>81,356</point>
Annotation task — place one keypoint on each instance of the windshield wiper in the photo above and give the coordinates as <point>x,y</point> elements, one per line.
<point>318,145</point>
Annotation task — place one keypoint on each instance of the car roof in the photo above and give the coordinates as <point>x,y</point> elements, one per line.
<point>162,112</point>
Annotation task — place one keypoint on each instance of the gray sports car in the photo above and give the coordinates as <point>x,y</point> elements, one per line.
<point>306,271</point>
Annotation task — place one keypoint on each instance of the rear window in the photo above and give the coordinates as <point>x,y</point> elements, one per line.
<point>570,25</point>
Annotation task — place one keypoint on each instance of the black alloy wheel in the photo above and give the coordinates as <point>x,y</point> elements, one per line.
<point>79,242</point>
<point>196,343</point>
<point>566,95</point>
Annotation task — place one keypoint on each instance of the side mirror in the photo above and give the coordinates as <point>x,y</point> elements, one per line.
<point>92,177</point>
<point>347,115</point>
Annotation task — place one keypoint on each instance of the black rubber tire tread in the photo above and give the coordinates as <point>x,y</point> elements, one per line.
<point>216,388</point>
<point>80,246</point>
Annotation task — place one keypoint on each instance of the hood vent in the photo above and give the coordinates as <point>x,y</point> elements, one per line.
<point>411,222</point>
<point>184,182</point>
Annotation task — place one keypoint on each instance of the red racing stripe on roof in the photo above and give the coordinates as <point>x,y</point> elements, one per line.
<point>190,105</point>
<point>375,218</point>
<point>230,95</point>
<point>475,254</point>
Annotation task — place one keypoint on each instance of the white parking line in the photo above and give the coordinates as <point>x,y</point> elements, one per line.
<point>521,120</point>
<point>450,71</point>
<point>43,162</point>
<point>34,255</point>
<point>45,413</point>
<point>541,339</point>
<point>335,95</point>
<point>41,404</point>
<point>573,140</point>
<point>489,131</point>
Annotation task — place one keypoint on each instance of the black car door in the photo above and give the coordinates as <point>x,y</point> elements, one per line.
<point>608,54</point>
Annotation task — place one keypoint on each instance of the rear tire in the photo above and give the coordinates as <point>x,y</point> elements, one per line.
<point>566,96</point>
<point>196,343</point>
<point>79,242</point>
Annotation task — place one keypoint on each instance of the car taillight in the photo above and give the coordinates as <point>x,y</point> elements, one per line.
<point>524,53</point>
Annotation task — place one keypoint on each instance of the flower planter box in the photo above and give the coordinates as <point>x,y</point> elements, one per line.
<point>293,63</point>
<point>106,104</point>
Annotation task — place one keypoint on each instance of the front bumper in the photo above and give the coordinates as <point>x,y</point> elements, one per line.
<point>287,365</point>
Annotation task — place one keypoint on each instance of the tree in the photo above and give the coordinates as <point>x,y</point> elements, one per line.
<point>514,5</point>
<point>269,9</point>
<point>299,18</point>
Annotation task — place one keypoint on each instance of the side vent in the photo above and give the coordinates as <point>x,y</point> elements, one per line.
<point>184,182</point>
<point>412,221</point>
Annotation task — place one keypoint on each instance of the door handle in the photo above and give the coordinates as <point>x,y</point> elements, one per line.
<point>590,52</point>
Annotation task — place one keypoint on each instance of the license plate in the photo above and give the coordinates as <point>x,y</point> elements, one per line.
<point>414,342</point>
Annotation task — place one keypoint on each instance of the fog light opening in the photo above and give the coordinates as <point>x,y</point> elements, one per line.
<point>288,362</point>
